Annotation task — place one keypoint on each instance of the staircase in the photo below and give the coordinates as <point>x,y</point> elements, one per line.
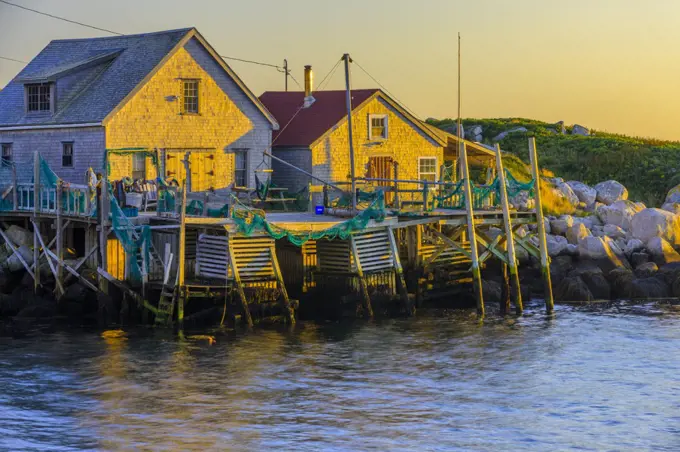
<point>166,303</point>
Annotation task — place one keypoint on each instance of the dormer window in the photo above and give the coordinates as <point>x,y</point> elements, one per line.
<point>39,97</point>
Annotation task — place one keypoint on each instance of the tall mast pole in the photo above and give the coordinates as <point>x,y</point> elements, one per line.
<point>348,86</point>
<point>459,131</point>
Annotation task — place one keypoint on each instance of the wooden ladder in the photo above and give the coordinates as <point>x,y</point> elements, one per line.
<point>169,293</point>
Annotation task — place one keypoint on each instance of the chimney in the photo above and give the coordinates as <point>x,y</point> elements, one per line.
<point>309,80</point>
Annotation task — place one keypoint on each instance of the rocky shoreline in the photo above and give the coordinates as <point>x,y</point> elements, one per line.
<point>612,247</point>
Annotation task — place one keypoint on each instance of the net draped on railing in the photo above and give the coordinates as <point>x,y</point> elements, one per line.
<point>249,221</point>
<point>133,242</point>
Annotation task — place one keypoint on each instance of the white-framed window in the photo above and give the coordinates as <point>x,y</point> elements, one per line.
<point>39,97</point>
<point>138,166</point>
<point>427,169</point>
<point>190,96</point>
<point>377,127</point>
<point>241,167</point>
<point>6,154</point>
<point>67,154</point>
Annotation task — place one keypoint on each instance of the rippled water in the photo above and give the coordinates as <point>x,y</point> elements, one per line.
<point>597,379</point>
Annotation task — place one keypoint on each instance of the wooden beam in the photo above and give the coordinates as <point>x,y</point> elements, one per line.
<point>513,275</point>
<point>362,279</point>
<point>239,286</point>
<point>81,262</point>
<point>181,255</point>
<point>55,271</point>
<point>59,236</point>
<point>290,313</point>
<point>490,246</point>
<point>451,243</point>
<point>74,273</point>
<point>36,229</point>
<point>399,274</point>
<point>15,251</point>
<point>542,243</point>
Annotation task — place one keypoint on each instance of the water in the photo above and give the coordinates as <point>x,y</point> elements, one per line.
<point>596,379</point>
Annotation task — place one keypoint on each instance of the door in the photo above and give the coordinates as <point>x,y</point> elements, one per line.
<point>383,168</point>
<point>201,165</point>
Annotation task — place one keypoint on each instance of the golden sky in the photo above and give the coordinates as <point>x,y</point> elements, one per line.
<point>609,64</point>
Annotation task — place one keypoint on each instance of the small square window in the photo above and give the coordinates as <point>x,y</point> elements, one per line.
<point>6,154</point>
<point>190,96</point>
<point>67,155</point>
<point>427,169</point>
<point>138,166</point>
<point>377,127</point>
<point>39,97</point>
<point>241,167</point>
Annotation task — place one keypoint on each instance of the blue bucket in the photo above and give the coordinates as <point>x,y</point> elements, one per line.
<point>319,210</point>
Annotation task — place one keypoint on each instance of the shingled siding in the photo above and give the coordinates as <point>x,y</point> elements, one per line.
<point>284,175</point>
<point>88,151</point>
<point>227,119</point>
<point>404,143</point>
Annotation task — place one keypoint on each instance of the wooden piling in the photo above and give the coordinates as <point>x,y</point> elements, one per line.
<point>543,246</point>
<point>104,207</point>
<point>474,254</point>
<point>36,224</point>
<point>368,307</point>
<point>515,292</point>
<point>399,275</point>
<point>181,256</point>
<point>59,236</point>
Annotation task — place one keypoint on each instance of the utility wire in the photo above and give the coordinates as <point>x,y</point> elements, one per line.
<point>122,34</point>
<point>12,59</point>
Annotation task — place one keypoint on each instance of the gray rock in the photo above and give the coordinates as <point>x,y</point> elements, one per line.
<point>632,246</point>
<point>610,191</point>
<point>646,270</point>
<point>561,225</point>
<point>580,130</point>
<point>621,282</point>
<point>14,263</point>
<point>650,288</point>
<point>576,232</point>
<point>613,231</point>
<point>673,195</point>
<point>573,288</point>
<point>603,251</point>
<point>584,192</point>
<point>649,223</point>
<point>597,285</point>
<point>556,244</point>
<point>571,250</point>
<point>639,258</point>
<point>559,126</point>
<point>619,213</point>
<point>567,192</point>
<point>19,236</point>
<point>560,267</point>
<point>492,291</point>
<point>661,251</point>
<point>502,135</point>
<point>672,207</point>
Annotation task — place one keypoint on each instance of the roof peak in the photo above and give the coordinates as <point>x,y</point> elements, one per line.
<point>136,35</point>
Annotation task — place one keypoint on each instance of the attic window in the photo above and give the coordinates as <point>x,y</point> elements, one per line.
<point>377,127</point>
<point>190,98</point>
<point>39,97</point>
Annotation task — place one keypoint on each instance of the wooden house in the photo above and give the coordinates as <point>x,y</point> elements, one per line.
<point>167,92</point>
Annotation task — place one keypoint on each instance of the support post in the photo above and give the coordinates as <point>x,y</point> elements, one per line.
<point>399,275</point>
<point>288,309</point>
<point>515,292</point>
<point>59,236</point>
<point>181,255</point>
<point>542,244</point>
<point>285,73</point>
<point>36,224</point>
<point>104,207</point>
<point>474,254</point>
<point>362,280</point>
<point>15,190</point>
<point>397,205</point>
<point>348,88</point>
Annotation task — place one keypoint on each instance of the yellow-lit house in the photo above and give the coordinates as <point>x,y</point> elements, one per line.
<point>169,92</point>
<point>315,138</point>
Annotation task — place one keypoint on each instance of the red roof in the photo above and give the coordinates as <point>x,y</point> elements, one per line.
<point>311,123</point>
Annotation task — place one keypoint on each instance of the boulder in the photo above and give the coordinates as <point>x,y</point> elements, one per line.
<point>639,258</point>
<point>672,207</point>
<point>566,192</point>
<point>621,282</point>
<point>580,130</point>
<point>571,250</point>
<point>522,201</point>
<point>649,223</point>
<point>39,310</point>
<point>560,266</point>
<point>573,288</point>
<point>597,285</point>
<point>556,244</point>
<point>14,264</point>
<point>560,225</point>
<point>610,191</point>
<point>502,135</point>
<point>649,288</point>
<point>661,251</point>
<point>619,213</point>
<point>583,192</point>
<point>576,232</point>
<point>673,195</point>
<point>561,129</point>
<point>646,270</point>
<point>597,231</point>
<point>613,231</point>
<point>19,236</point>
<point>474,133</point>
<point>603,251</point>
<point>632,246</point>
<point>492,291</point>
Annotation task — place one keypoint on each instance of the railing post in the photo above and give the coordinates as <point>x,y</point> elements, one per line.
<point>543,246</point>
<point>396,185</point>
<point>16,187</point>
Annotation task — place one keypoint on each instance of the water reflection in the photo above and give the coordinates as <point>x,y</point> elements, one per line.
<point>602,378</point>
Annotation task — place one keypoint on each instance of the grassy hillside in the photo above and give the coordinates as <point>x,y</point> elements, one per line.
<point>647,167</point>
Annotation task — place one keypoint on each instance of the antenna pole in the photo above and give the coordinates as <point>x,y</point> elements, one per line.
<point>459,131</point>
<point>348,86</point>
<point>285,72</point>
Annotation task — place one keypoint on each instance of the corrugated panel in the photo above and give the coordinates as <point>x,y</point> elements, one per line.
<point>374,251</point>
<point>253,258</point>
<point>334,256</point>
<point>212,256</point>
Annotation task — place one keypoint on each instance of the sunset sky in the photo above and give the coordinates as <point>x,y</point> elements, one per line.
<point>609,64</point>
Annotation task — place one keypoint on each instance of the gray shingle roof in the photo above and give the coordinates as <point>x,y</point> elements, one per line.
<point>100,88</point>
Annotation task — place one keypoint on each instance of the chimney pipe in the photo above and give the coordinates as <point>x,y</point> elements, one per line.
<point>309,80</point>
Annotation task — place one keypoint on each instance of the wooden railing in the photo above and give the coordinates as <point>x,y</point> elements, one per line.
<point>68,199</point>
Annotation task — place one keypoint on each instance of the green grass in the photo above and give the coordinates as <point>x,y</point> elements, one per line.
<point>648,167</point>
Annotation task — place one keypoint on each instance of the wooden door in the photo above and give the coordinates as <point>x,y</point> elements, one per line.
<point>174,166</point>
<point>383,168</point>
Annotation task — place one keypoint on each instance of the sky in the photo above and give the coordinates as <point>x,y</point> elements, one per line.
<point>610,65</point>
